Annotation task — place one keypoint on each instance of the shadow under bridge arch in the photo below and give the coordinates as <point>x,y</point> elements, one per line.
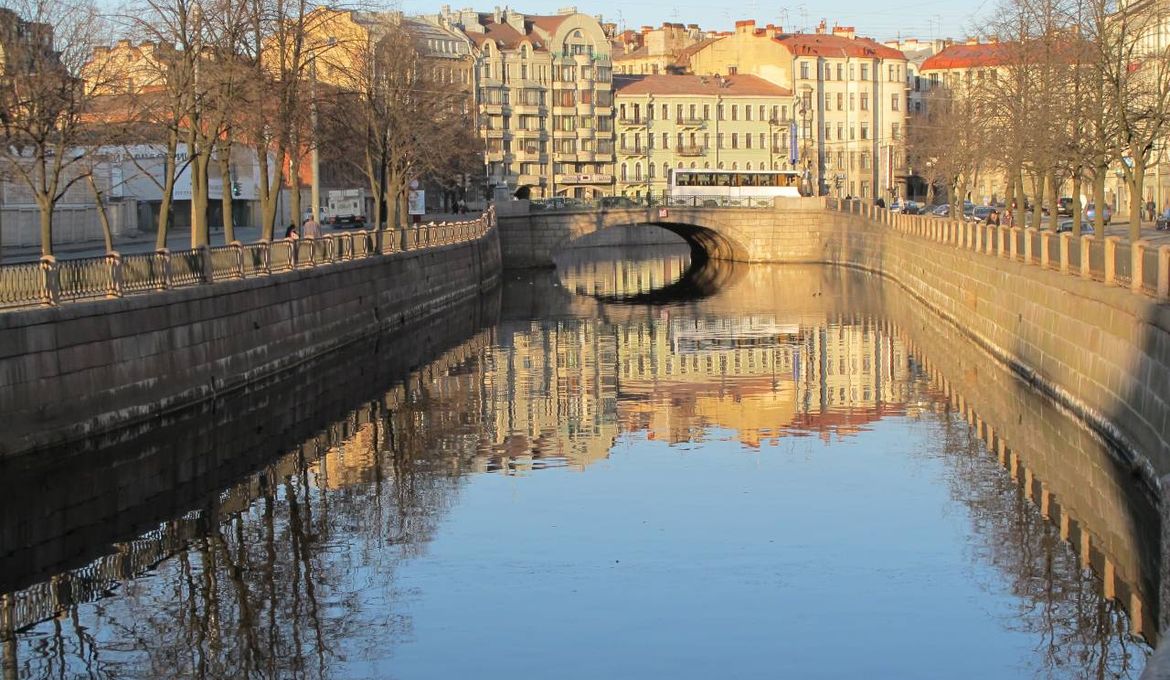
<point>706,243</point>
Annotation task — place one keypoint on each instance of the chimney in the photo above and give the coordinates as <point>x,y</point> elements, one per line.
<point>746,26</point>
<point>822,27</point>
<point>844,32</point>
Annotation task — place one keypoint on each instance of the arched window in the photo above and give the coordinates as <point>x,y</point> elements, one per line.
<point>623,172</point>
<point>693,165</point>
<point>720,165</point>
<point>735,166</point>
<point>637,172</point>
<point>666,171</point>
<point>650,171</point>
<point>775,165</point>
<point>748,166</point>
<point>680,165</point>
<point>707,165</point>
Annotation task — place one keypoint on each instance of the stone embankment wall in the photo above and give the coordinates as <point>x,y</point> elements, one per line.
<point>75,370</point>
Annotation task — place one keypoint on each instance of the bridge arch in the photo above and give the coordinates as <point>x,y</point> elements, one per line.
<point>708,236</point>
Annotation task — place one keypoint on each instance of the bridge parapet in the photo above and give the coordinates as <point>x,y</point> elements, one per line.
<point>739,229</point>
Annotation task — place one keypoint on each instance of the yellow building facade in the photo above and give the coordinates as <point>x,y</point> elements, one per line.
<point>545,98</point>
<point>849,100</point>
<point>668,122</point>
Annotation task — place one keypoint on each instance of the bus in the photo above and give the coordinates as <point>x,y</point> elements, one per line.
<point>721,184</point>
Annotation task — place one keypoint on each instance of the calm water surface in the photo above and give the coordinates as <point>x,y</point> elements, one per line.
<point>770,472</point>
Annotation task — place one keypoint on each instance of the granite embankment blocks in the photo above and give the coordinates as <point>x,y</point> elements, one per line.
<point>70,371</point>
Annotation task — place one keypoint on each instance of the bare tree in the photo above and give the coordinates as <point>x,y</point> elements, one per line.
<point>43,99</point>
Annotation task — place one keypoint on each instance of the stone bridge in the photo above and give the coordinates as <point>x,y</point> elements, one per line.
<point>783,232</point>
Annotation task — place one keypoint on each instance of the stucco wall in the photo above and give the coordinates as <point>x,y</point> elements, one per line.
<point>78,369</point>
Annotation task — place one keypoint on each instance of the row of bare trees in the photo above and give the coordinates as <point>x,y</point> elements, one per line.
<point>1068,91</point>
<point>224,75</point>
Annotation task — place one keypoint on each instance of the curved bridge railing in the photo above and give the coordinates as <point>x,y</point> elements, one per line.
<point>52,282</point>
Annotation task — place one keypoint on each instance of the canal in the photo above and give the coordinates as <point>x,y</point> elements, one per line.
<point>629,467</point>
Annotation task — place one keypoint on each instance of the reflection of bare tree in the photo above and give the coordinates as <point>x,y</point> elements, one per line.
<point>1060,600</point>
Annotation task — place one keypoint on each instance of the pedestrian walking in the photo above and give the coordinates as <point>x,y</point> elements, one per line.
<point>311,228</point>
<point>1009,220</point>
<point>291,233</point>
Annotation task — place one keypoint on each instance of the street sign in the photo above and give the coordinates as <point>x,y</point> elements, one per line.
<point>663,213</point>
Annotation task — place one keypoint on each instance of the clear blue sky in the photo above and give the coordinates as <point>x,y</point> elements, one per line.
<point>955,19</point>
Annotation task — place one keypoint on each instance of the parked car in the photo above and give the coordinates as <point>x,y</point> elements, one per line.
<point>981,213</point>
<point>1067,225</point>
<point>940,210</point>
<point>1091,213</point>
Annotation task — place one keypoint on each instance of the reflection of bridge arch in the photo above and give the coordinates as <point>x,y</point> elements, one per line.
<point>711,241</point>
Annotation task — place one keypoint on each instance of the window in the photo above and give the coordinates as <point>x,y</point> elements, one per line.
<point>894,98</point>
<point>763,141</point>
<point>851,72</point>
<point>679,141</point>
<point>678,112</point>
<point>865,71</point>
<point>865,130</point>
<point>623,172</point>
<point>637,172</point>
<point>747,141</point>
<point>828,131</point>
<point>895,131</point>
<point>829,101</point>
<point>840,101</point>
<point>734,140</point>
<point>719,111</point>
<point>665,111</point>
<point>865,102</point>
<point>747,113</point>
<point>828,72</point>
<point>852,101</point>
<point>803,70</point>
<point>840,130</point>
<point>719,141</point>
<point>734,111</point>
<point>650,171</point>
<point>665,140</point>
<point>840,72</point>
<point>706,112</point>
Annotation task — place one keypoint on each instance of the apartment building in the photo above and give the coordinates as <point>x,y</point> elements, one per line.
<point>667,122</point>
<point>545,99</point>
<point>653,51</point>
<point>849,100</point>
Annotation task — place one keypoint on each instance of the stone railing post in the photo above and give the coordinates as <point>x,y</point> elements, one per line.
<point>311,242</point>
<point>1111,260</point>
<point>1045,249</point>
<point>1017,234</point>
<point>50,280</point>
<point>114,263</point>
<point>1137,267</point>
<point>205,261</point>
<point>1163,272</point>
<point>990,238</point>
<point>1001,245</point>
<point>265,257</point>
<point>163,257</point>
<point>1086,252</point>
<point>1065,245</point>
<point>238,251</point>
<point>978,237</point>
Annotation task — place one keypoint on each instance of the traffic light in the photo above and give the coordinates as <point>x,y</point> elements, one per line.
<point>236,188</point>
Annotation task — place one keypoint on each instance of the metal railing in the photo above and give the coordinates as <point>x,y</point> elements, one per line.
<point>1140,266</point>
<point>52,282</point>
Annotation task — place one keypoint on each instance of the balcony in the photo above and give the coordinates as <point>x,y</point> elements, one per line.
<point>496,133</point>
<point>534,180</point>
<point>692,150</point>
<point>491,109</point>
<point>632,151</point>
<point>632,121</point>
<point>688,121</point>
<point>596,178</point>
<point>584,109</point>
<point>528,109</point>
<point>529,134</point>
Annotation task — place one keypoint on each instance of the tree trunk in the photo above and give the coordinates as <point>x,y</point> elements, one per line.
<point>168,191</point>
<point>1053,201</point>
<point>1137,176</point>
<point>1076,204</point>
<point>1037,199</point>
<point>46,207</point>
<point>103,218</point>
<point>225,192</point>
<point>294,186</point>
<point>1099,198</point>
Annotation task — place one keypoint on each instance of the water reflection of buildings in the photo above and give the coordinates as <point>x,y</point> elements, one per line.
<point>623,276</point>
<point>564,391</point>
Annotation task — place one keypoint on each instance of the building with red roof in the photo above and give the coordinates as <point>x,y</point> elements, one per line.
<point>849,100</point>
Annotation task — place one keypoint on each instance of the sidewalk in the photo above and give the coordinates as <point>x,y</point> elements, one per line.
<point>143,242</point>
